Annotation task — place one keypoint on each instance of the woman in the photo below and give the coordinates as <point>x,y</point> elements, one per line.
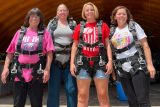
<point>85,67</point>
<point>27,49</point>
<point>61,27</point>
<point>130,59</point>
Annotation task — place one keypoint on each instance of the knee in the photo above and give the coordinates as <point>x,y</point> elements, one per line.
<point>143,100</point>
<point>82,98</point>
<point>71,91</point>
<point>103,97</point>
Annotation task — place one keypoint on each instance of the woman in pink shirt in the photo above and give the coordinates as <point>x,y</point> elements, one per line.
<point>27,50</point>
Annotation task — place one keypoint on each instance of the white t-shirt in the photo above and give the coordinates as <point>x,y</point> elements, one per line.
<point>123,37</point>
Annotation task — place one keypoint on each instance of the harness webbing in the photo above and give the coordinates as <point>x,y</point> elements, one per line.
<point>54,23</point>
<point>137,60</point>
<point>17,67</point>
<point>83,61</point>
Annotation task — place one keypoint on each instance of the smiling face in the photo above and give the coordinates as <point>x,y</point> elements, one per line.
<point>121,17</point>
<point>89,12</point>
<point>62,12</point>
<point>34,21</point>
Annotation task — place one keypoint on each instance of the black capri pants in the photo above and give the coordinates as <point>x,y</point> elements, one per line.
<point>137,89</point>
<point>33,89</point>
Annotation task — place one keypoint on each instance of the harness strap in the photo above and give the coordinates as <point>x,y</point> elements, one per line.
<point>99,25</point>
<point>89,45</point>
<point>63,46</point>
<point>131,58</point>
<point>54,23</point>
<point>28,66</point>
<point>90,58</point>
<point>66,48</point>
<point>40,45</point>
<point>22,33</point>
<point>27,52</point>
<point>60,65</point>
<point>125,48</point>
<point>17,67</point>
<point>63,52</point>
<point>83,61</point>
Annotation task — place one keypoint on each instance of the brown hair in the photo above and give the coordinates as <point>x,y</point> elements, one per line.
<point>38,13</point>
<point>129,15</point>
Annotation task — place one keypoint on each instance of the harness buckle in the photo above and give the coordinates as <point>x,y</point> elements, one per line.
<point>40,54</point>
<point>101,45</point>
<point>14,70</point>
<point>89,59</point>
<point>65,47</point>
<point>80,45</point>
<point>16,54</point>
<point>79,62</point>
<point>141,61</point>
<point>40,70</point>
<point>101,62</point>
<point>29,66</point>
<point>29,53</point>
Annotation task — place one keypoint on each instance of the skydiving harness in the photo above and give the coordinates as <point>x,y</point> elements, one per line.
<point>37,69</point>
<point>83,62</point>
<point>138,62</point>
<point>66,49</point>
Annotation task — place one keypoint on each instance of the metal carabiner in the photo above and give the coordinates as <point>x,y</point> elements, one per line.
<point>40,70</point>
<point>14,70</point>
<point>101,62</point>
<point>79,62</point>
<point>141,60</point>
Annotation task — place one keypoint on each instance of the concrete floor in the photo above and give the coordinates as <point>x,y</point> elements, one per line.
<point>7,101</point>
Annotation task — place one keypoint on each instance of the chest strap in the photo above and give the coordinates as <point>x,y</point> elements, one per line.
<point>125,48</point>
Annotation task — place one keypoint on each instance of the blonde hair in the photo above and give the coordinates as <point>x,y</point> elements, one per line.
<point>94,7</point>
<point>129,15</point>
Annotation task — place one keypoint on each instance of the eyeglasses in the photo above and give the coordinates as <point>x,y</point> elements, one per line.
<point>34,16</point>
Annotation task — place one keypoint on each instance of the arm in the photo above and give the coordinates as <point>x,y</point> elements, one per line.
<point>109,65</point>
<point>147,53</point>
<point>73,54</point>
<point>47,67</point>
<point>5,71</point>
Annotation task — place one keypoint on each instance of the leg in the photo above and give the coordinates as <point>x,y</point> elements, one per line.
<point>70,88</point>
<point>20,94</point>
<point>35,92</point>
<point>141,87</point>
<point>101,83</point>
<point>129,91</point>
<point>83,84</point>
<point>54,86</point>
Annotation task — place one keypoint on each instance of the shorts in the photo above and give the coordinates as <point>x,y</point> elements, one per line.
<point>83,74</point>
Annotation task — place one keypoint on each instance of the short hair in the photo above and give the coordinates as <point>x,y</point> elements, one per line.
<point>63,5</point>
<point>38,13</point>
<point>94,7</point>
<point>129,15</point>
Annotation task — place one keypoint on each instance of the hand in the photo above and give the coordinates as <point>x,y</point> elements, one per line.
<point>4,75</point>
<point>109,68</point>
<point>46,76</point>
<point>151,71</point>
<point>73,69</point>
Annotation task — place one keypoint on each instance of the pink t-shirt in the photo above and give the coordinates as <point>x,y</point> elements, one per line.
<point>30,43</point>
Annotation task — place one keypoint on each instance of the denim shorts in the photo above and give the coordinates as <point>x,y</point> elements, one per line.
<point>83,74</point>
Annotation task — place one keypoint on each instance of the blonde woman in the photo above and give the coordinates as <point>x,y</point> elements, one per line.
<point>91,56</point>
